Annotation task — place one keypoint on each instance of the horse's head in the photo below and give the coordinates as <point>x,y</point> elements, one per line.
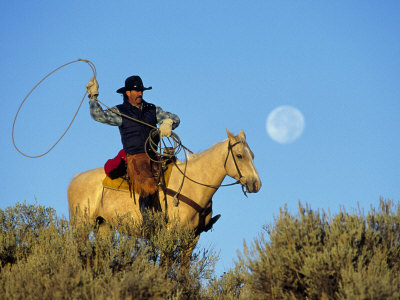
<point>239,162</point>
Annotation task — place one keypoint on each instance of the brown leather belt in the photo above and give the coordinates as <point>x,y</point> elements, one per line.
<point>203,212</point>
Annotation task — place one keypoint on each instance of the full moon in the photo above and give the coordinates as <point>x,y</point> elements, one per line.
<point>285,124</point>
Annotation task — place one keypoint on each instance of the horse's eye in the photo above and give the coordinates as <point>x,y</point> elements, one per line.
<point>239,156</point>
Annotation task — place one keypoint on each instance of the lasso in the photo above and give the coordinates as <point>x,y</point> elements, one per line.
<point>70,124</point>
<point>176,145</point>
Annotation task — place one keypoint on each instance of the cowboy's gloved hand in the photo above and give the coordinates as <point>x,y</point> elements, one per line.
<point>92,87</point>
<point>166,128</point>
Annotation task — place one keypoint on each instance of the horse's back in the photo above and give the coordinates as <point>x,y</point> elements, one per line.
<point>84,192</point>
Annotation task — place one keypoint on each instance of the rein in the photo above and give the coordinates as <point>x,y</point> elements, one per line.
<point>178,145</point>
<point>230,151</point>
<point>202,211</point>
<point>230,147</point>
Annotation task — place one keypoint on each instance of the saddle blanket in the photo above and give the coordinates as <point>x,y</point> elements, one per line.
<point>122,184</point>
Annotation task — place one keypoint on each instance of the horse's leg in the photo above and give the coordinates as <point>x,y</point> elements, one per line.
<point>187,254</point>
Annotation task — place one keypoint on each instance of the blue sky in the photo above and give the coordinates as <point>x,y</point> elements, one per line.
<point>217,64</point>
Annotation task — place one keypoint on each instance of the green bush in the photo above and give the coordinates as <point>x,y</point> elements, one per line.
<point>313,256</point>
<point>307,256</point>
<point>43,257</point>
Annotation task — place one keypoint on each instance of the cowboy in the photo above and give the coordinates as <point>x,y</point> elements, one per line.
<point>134,134</point>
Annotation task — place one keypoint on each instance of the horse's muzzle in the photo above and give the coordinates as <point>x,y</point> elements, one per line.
<point>252,185</point>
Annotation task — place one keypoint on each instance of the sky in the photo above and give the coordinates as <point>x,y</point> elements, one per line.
<point>218,65</point>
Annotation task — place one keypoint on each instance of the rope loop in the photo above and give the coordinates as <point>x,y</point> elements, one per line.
<point>73,119</point>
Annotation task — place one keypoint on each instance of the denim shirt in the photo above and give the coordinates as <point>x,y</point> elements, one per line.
<point>111,118</point>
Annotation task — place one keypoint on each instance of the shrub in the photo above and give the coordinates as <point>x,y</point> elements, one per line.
<point>311,256</point>
<point>45,257</point>
<point>307,256</point>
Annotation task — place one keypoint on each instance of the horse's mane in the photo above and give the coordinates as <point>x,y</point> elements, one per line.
<point>193,156</point>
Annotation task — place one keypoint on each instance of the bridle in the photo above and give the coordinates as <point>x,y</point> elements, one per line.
<point>203,212</point>
<point>230,151</point>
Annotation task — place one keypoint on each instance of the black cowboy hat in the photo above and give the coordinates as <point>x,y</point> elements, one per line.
<point>133,83</point>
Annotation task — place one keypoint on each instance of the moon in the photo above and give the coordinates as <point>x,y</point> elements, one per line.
<point>285,124</point>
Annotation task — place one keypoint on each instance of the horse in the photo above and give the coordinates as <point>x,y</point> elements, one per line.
<point>202,174</point>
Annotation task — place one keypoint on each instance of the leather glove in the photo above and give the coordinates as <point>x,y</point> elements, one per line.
<point>92,87</point>
<point>166,128</point>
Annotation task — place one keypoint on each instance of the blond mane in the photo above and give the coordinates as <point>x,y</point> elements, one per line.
<point>193,156</point>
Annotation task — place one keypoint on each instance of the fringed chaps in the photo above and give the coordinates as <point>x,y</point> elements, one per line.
<point>141,178</point>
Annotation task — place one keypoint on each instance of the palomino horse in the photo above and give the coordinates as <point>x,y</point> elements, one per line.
<point>231,157</point>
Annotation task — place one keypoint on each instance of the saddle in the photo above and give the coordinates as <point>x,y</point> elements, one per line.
<point>122,182</point>
<point>116,171</point>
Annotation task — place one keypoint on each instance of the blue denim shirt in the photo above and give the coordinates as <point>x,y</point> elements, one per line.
<point>111,118</point>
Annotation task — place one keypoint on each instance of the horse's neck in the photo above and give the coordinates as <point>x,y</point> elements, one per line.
<point>206,168</point>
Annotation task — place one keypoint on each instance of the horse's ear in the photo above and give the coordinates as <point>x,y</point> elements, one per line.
<point>242,136</point>
<point>230,135</point>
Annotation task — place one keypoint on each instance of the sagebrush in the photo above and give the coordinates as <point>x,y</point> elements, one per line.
<point>44,257</point>
<point>314,256</point>
<point>306,256</point>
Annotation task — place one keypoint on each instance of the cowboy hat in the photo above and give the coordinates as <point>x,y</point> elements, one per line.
<point>133,83</point>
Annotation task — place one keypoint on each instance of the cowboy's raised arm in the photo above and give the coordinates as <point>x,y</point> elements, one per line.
<point>96,111</point>
<point>104,116</point>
